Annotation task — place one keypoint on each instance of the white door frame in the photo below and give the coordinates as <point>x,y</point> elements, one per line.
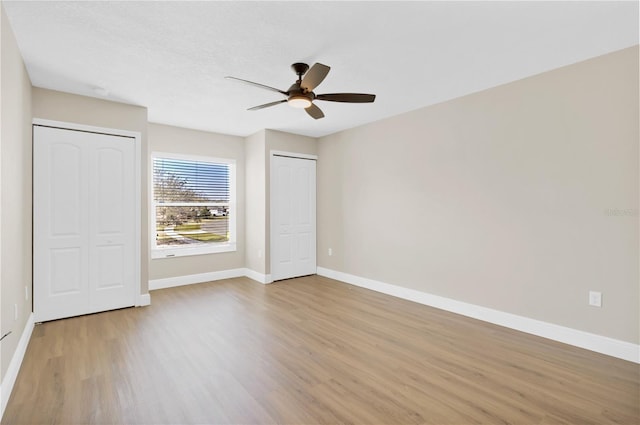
<point>137,137</point>
<point>272,225</point>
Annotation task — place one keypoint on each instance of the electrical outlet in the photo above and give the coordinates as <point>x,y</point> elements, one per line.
<point>26,293</point>
<point>595,298</point>
<point>330,252</point>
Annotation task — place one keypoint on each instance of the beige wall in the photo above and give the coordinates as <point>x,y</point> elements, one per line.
<point>256,222</point>
<point>521,198</point>
<point>15,192</point>
<point>287,142</point>
<point>164,138</point>
<point>58,106</point>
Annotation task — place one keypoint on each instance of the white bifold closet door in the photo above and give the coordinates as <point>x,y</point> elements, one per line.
<point>84,232</point>
<point>293,217</point>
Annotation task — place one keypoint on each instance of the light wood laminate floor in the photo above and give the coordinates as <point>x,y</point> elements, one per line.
<point>305,351</point>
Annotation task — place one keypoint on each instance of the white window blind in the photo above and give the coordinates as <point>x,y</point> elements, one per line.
<point>193,202</point>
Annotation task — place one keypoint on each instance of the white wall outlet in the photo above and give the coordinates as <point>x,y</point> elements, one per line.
<point>26,293</point>
<point>330,252</point>
<point>15,312</point>
<point>595,298</point>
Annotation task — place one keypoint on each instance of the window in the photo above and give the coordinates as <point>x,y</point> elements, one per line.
<point>193,205</point>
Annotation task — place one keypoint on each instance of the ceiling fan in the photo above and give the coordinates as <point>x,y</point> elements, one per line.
<point>301,95</point>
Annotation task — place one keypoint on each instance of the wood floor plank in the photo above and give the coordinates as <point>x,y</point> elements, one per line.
<point>308,351</point>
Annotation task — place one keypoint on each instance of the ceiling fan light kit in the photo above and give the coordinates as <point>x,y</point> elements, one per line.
<point>299,101</point>
<point>300,94</point>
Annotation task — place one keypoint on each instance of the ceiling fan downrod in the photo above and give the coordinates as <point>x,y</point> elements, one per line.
<point>300,69</point>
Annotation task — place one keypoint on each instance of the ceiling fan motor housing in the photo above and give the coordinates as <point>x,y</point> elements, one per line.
<point>296,90</point>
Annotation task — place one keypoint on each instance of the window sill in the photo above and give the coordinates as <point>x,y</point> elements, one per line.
<point>159,253</point>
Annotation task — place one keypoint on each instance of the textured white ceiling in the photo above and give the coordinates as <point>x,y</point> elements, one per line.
<point>172,56</point>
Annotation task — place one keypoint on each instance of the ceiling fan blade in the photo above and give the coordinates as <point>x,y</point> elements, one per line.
<point>258,85</point>
<point>266,105</point>
<point>314,76</point>
<point>347,97</point>
<point>315,112</point>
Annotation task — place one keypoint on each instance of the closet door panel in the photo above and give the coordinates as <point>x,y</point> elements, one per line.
<point>111,248</point>
<point>84,222</point>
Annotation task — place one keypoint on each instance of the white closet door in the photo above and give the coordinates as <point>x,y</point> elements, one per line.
<point>84,222</point>
<point>293,209</point>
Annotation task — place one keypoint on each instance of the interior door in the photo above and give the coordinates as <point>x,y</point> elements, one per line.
<point>84,222</point>
<point>293,217</point>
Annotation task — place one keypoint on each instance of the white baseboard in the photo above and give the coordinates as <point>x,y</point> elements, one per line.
<point>143,300</point>
<point>258,277</point>
<point>170,282</point>
<point>14,366</point>
<point>601,344</point>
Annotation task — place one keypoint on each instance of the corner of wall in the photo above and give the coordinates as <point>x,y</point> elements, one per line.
<point>255,192</point>
<point>15,213</point>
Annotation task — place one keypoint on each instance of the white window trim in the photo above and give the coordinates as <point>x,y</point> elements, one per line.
<point>230,246</point>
